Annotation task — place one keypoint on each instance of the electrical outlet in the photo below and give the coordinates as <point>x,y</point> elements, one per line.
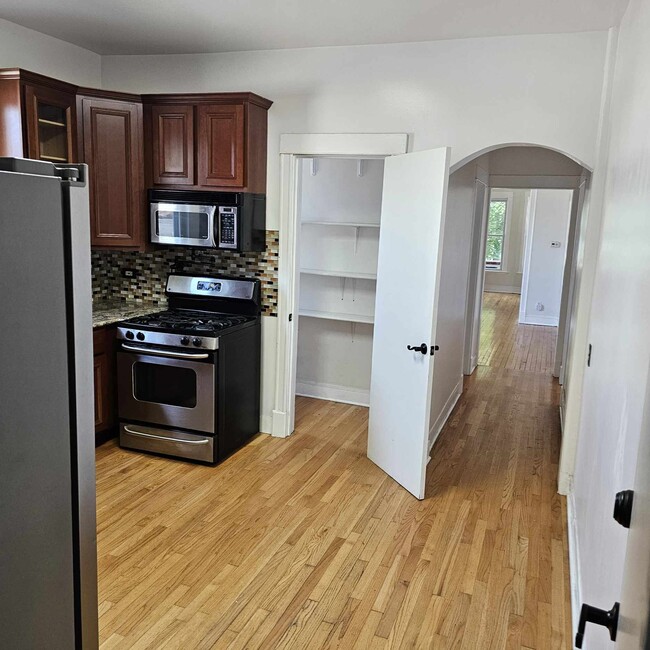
<point>129,273</point>
<point>539,306</point>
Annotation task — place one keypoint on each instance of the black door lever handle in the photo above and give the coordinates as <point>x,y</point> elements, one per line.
<point>424,348</point>
<point>590,614</point>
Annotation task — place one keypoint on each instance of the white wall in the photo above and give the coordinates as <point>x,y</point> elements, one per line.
<point>450,327</point>
<point>508,280</point>
<point>615,383</point>
<point>548,221</point>
<point>24,48</point>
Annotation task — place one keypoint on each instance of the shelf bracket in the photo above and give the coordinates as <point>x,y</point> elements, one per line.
<point>360,167</point>
<point>343,279</point>
<point>314,167</point>
<point>354,289</point>
<point>356,239</point>
<point>353,330</point>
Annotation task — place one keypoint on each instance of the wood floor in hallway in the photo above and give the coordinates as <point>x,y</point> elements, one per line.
<point>304,543</point>
<point>507,344</point>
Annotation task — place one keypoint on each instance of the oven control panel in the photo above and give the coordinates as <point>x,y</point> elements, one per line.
<point>132,337</point>
<point>227,227</point>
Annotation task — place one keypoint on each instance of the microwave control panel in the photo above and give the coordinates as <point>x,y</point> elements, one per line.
<point>227,227</point>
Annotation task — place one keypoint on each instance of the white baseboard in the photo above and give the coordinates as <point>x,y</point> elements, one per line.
<point>442,418</point>
<point>548,321</point>
<point>278,424</point>
<point>501,289</point>
<point>266,424</point>
<point>574,561</point>
<point>333,393</point>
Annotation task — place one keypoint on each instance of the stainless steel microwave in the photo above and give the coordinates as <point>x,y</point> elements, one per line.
<point>226,220</point>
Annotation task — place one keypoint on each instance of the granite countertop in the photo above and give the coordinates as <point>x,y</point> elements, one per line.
<point>108,312</point>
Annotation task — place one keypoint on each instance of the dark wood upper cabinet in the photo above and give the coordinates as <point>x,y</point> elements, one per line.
<point>210,141</point>
<point>37,117</point>
<point>206,141</point>
<point>112,147</point>
<point>172,144</point>
<point>221,145</point>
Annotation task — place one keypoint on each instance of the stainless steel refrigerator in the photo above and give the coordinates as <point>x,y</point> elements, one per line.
<point>48,556</point>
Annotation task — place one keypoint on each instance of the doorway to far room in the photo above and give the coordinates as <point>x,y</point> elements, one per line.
<point>525,252</point>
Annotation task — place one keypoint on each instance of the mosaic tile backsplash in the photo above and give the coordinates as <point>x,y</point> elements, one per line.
<point>153,268</point>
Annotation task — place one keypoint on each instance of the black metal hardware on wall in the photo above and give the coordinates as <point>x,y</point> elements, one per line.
<point>589,356</point>
<point>434,349</point>
<point>290,317</point>
<point>423,348</point>
<point>606,618</point>
<point>623,507</point>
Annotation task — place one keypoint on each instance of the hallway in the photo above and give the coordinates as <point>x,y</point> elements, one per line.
<point>507,344</point>
<point>303,542</point>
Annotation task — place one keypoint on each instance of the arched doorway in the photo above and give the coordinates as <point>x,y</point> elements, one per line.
<point>525,167</point>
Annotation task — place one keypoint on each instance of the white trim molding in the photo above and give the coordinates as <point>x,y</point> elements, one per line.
<point>343,144</point>
<point>344,394</point>
<point>575,583</point>
<point>499,288</point>
<point>293,146</point>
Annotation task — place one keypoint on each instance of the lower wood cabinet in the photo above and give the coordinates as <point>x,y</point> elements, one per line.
<point>105,384</point>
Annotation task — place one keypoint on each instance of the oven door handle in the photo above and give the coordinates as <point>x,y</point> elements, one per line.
<point>142,434</point>
<point>165,353</point>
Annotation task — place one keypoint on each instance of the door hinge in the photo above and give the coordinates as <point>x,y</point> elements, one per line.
<point>290,317</point>
<point>589,356</point>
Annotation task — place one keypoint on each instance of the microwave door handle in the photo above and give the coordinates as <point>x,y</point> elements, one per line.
<point>213,226</point>
<point>165,353</point>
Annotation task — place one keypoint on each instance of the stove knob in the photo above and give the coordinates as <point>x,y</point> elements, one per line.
<point>185,340</point>
<point>197,342</point>
<point>139,336</point>
<point>129,335</point>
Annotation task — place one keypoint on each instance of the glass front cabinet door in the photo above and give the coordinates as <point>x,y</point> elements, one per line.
<point>50,118</point>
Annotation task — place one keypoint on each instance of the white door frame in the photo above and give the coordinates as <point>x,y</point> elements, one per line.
<point>292,147</point>
<point>476,276</point>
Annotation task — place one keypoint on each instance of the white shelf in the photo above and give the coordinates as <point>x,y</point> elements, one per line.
<point>350,224</point>
<point>330,315</point>
<point>341,274</point>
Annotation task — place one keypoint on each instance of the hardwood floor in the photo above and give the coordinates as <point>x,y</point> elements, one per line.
<point>304,543</point>
<point>506,344</point>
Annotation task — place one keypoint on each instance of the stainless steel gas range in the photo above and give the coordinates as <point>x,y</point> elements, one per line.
<point>189,378</point>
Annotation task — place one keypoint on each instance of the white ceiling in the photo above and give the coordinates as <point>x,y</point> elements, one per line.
<point>195,26</point>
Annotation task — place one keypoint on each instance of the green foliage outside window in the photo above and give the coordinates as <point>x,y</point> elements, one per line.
<point>495,235</point>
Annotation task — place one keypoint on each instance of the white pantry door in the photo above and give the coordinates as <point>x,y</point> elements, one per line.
<point>408,276</point>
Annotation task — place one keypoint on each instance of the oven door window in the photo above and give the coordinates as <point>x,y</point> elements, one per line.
<point>162,384</point>
<point>181,224</point>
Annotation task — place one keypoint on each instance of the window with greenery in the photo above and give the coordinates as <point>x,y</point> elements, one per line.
<point>496,234</point>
